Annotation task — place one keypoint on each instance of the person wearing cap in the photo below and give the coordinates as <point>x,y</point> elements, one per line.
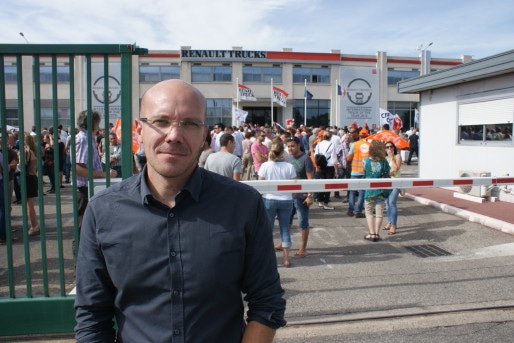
<point>359,150</point>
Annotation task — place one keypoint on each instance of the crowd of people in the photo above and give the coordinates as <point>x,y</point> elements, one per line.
<point>52,151</point>
<point>314,152</point>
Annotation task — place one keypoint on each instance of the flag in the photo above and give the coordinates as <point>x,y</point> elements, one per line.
<point>289,122</point>
<point>240,115</point>
<point>416,116</point>
<point>308,95</point>
<point>245,93</point>
<point>135,136</point>
<point>280,127</point>
<point>397,123</point>
<point>280,96</point>
<point>339,90</point>
<point>386,118</point>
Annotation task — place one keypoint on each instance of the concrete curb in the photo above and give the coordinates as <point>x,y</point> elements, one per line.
<point>493,223</point>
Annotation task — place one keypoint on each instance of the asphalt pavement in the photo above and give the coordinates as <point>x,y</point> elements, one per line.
<point>442,269</point>
<point>444,276</point>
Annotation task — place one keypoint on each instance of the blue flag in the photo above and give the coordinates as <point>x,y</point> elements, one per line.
<point>307,94</point>
<point>339,90</point>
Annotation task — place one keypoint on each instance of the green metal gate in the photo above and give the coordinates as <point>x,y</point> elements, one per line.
<point>37,273</point>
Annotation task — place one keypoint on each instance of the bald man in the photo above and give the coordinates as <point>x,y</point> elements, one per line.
<point>170,251</point>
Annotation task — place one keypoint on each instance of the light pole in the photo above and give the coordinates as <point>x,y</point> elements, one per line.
<point>425,58</point>
<point>26,40</point>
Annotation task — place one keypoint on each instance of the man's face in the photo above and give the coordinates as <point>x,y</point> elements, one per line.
<point>293,148</point>
<point>262,137</point>
<point>113,140</point>
<point>172,152</point>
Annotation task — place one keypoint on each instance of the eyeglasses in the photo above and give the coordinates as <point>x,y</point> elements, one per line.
<point>389,147</point>
<point>164,124</point>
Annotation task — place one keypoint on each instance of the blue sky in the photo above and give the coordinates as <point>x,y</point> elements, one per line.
<point>456,28</point>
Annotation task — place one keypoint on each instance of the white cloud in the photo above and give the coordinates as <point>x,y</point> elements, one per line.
<point>359,27</point>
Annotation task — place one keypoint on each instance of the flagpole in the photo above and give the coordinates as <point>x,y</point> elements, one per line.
<point>305,104</point>
<point>338,124</point>
<point>271,103</point>
<point>237,99</point>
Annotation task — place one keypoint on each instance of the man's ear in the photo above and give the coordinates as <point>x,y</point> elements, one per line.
<point>139,130</point>
<point>205,133</point>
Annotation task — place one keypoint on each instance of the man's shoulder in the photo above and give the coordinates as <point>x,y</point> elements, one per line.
<point>302,157</point>
<point>256,146</point>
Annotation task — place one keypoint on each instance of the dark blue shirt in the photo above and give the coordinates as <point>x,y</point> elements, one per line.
<point>176,274</point>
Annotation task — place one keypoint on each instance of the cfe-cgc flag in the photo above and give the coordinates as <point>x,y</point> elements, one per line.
<point>280,96</point>
<point>386,118</point>
<point>245,93</point>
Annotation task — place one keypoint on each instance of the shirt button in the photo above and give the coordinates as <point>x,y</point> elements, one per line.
<point>173,254</point>
<point>176,332</point>
<point>171,215</point>
<point>176,293</point>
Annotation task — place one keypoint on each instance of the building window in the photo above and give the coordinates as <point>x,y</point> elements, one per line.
<point>11,117</point>
<point>45,74</point>
<point>394,76</point>
<point>262,74</point>
<point>318,112</point>
<point>211,73</point>
<point>406,111</point>
<point>219,111</point>
<point>312,75</point>
<point>47,116</point>
<point>158,73</point>
<point>10,73</point>
<point>486,122</point>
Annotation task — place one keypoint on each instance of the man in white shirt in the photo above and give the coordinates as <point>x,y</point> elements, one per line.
<point>219,130</point>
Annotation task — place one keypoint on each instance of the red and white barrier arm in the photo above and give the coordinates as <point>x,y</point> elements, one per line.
<point>329,185</point>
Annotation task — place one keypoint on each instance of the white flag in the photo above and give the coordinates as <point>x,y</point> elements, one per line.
<point>386,118</point>
<point>280,96</point>
<point>416,116</point>
<point>245,93</point>
<point>240,115</point>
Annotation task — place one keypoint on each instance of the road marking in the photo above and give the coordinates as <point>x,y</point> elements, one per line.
<point>499,250</point>
<point>325,262</point>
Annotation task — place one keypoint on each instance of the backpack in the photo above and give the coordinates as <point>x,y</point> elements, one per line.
<point>321,160</point>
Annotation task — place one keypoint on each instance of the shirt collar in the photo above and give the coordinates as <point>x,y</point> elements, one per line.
<point>193,186</point>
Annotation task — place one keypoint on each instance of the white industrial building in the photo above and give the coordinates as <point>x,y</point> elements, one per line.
<point>466,121</point>
<point>345,88</point>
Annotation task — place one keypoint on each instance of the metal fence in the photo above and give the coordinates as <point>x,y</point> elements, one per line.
<point>37,273</point>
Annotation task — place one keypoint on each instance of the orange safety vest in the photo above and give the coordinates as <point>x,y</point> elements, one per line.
<point>360,152</point>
